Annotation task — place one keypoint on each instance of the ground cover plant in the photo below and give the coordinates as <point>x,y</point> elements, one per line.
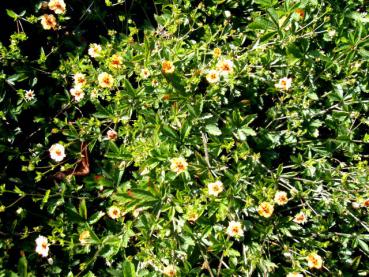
<point>184,138</point>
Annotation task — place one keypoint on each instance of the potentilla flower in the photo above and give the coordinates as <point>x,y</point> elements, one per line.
<point>212,76</point>
<point>281,198</point>
<point>29,95</point>
<point>42,246</point>
<point>365,203</point>
<point>294,274</point>
<point>105,80</point>
<point>225,67</point>
<point>300,218</point>
<point>84,237</point>
<point>170,270</point>
<point>116,61</point>
<point>192,216</point>
<point>111,135</point>
<point>48,21</point>
<point>235,229</point>
<point>300,13</point>
<point>167,67</point>
<point>57,152</point>
<point>215,188</point>
<point>145,73</point>
<point>79,79</point>
<point>314,261</point>
<point>154,83</point>
<point>58,6</point>
<point>114,212</point>
<point>178,165</point>
<point>77,93</point>
<point>217,52</point>
<point>284,83</point>
<point>94,50</point>
<point>265,209</point>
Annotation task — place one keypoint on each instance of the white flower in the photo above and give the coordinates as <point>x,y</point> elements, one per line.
<point>29,95</point>
<point>178,165</point>
<point>94,50</point>
<point>112,135</point>
<point>170,271</point>
<point>300,218</point>
<point>212,76</point>
<point>235,229</point>
<point>114,212</point>
<point>58,6</point>
<point>79,79</point>
<point>105,80</point>
<point>77,93</point>
<point>42,246</point>
<point>57,152</point>
<point>281,198</point>
<point>215,188</point>
<point>145,73</point>
<point>284,83</point>
<point>225,67</point>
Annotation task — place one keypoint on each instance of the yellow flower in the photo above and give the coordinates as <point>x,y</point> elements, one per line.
<point>48,21</point>
<point>77,93</point>
<point>94,50</point>
<point>212,76</point>
<point>192,216</point>
<point>300,218</point>
<point>294,274</point>
<point>105,80</point>
<point>281,198</point>
<point>215,188</point>
<point>114,212</point>
<point>225,67</point>
<point>314,261</point>
<point>58,6</point>
<point>217,52</point>
<point>265,209</point>
<point>84,237</point>
<point>57,152</point>
<point>284,83</point>
<point>170,271</point>
<point>234,229</point>
<point>79,79</point>
<point>42,246</point>
<point>178,165</point>
<point>167,67</point>
<point>112,135</point>
<point>300,13</point>
<point>116,61</point>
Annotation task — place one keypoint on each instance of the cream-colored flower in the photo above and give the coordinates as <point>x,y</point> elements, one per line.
<point>116,61</point>
<point>294,274</point>
<point>300,13</point>
<point>178,165</point>
<point>365,203</point>
<point>234,229</point>
<point>57,6</point>
<point>154,83</point>
<point>79,79</point>
<point>111,135</point>
<point>215,188</point>
<point>300,218</point>
<point>57,152</point>
<point>281,198</point>
<point>84,237</point>
<point>114,212</point>
<point>225,67</point>
<point>105,80</point>
<point>77,93</point>
<point>48,21</point>
<point>42,246</point>
<point>314,261</point>
<point>29,95</point>
<point>212,76</point>
<point>145,73</point>
<point>284,83</point>
<point>217,52</point>
<point>265,209</point>
<point>192,216</point>
<point>167,67</point>
<point>170,271</point>
<point>95,50</point>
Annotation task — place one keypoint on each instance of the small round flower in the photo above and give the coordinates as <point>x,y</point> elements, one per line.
<point>116,61</point>
<point>95,50</point>
<point>79,79</point>
<point>192,216</point>
<point>234,229</point>
<point>265,209</point>
<point>281,198</point>
<point>215,188</point>
<point>314,261</point>
<point>42,246</point>
<point>167,67</point>
<point>294,274</point>
<point>114,212</point>
<point>170,271</point>
<point>154,83</point>
<point>29,95</point>
<point>111,135</point>
<point>225,67</point>
<point>57,6</point>
<point>77,93</point>
<point>84,237</point>
<point>284,83</point>
<point>178,165</point>
<point>145,73</point>
<point>300,13</point>
<point>217,52</point>
<point>300,218</point>
<point>212,76</point>
<point>365,203</point>
<point>57,152</point>
<point>48,21</point>
<point>105,80</point>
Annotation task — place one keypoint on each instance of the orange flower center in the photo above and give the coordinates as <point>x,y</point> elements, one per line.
<point>180,166</point>
<point>235,229</point>
<point>44,245</point>
<point>58,152</point>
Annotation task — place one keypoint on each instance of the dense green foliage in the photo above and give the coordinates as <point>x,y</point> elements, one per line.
<point>201,138</point>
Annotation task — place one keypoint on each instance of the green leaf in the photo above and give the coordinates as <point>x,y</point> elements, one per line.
<point>213,129</point>
<point>12,14</point>
<point>82,209</point>
<point>128,269</point>
<point>22,266</point>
